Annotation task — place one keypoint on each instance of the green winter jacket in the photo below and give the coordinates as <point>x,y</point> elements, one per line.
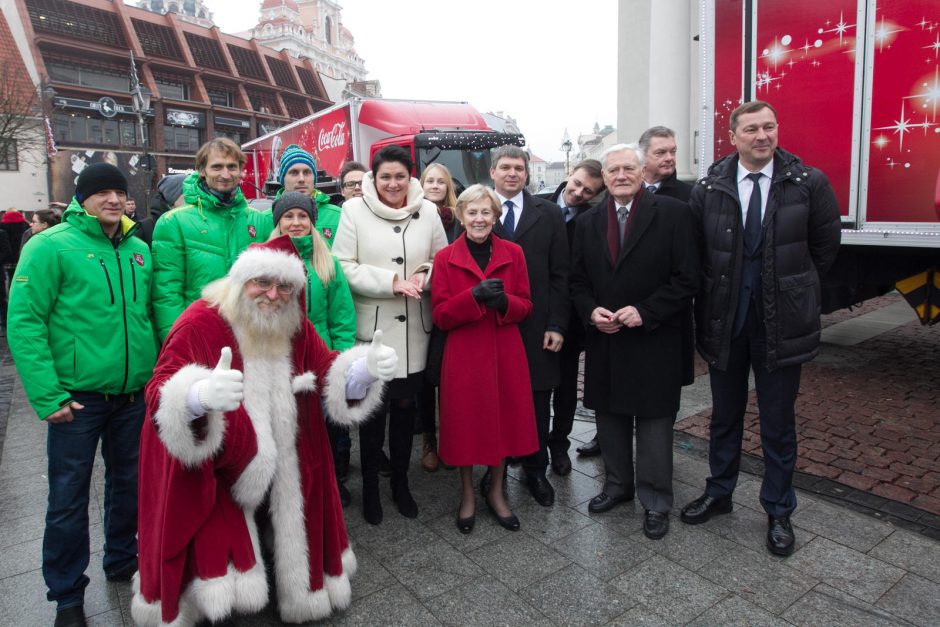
<point>327,215</point>
<point>329,308</point>
<point>196,244</point>
<point>79,314</point>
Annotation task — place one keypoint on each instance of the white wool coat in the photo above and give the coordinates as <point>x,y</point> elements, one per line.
<point>375,244</point>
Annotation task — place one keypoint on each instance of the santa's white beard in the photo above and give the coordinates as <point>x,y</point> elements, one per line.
<point>264,332</point>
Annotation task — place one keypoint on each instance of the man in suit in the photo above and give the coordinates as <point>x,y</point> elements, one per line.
<point>537,226</point>
<point>659,164</point>
<point>633,277</point>
<point>573,196</point>
<point>769,228</point>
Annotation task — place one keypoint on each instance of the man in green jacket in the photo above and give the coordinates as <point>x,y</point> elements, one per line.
<point>297,172</point>
<point>198,242</point>
<point>84,347</point>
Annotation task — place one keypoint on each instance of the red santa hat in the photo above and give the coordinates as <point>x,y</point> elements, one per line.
<point>276,259</point>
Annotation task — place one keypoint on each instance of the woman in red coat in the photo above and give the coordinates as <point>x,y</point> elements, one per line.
<point>480,293</point>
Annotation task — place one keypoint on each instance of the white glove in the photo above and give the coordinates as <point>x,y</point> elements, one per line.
<point>223,390</point>
<point>381,360</point>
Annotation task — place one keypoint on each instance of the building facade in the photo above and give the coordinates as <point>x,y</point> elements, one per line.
<point>203,83</point>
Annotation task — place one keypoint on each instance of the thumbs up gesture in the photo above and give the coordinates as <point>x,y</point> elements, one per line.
<point>223,390</point>
<point>381,360</point>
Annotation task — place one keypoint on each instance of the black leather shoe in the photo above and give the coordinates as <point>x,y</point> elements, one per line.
<point>780,538</point>
<point>345,498</point>
<point>561,463</point>
<point>591,449</point>
<point>603,502</point>
<point>465,525</point>
<point>541,490</point>
<point>655,525</point>
<point>704,507</point>
<point>506,522</point>
<point>71,617</point>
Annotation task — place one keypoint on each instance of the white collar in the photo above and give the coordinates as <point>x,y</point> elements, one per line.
<point>516,200</point>
<point>767,170</point>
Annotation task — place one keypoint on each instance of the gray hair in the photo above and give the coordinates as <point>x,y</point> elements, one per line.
<point>622,148</point>
<point>655,131</point>
<point>509,152</point>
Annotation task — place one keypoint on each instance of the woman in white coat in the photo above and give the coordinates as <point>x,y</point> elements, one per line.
<point>385,243</point>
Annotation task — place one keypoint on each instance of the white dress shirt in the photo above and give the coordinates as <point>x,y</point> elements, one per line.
<point>516,207</point>
<point>746,186</point>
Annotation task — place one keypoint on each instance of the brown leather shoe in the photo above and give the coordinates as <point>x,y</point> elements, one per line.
<point>429,459</point>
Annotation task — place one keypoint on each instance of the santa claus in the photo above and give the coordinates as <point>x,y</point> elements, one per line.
<point>235,435</point>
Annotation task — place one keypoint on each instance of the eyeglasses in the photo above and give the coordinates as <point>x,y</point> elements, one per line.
<point>352,184</point>
<point>265,285</point>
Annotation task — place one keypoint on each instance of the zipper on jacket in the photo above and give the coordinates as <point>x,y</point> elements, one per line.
<point>127,356</point>
<point>108,278</point>
<point>133,277</point>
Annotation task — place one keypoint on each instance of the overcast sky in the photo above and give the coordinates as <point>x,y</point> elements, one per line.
<point>546,64</point>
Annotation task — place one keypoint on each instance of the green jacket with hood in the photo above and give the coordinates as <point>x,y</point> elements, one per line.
<point>327,215</point>
<point>79,314</point>
<point>196,244</point>
<point>330,307</point>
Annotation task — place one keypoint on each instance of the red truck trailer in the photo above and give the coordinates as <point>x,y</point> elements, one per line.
<point>451,133</point>
<point>856,84</point>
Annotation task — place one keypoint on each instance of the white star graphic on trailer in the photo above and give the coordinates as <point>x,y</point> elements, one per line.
<point>840,28</point>
<point>882,32</point>
<point>922,23</point>
<point>931,93</point>
<point>901,126</point>
<point>935,46</point>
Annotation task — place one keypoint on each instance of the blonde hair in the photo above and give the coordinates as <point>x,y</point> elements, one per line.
<point>450,198</point>
<point>477,192</point>
<point>321,258</point>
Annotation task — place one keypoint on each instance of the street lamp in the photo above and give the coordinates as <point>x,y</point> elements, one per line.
<point>566,146</point>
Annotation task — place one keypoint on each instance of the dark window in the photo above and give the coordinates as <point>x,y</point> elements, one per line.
<point>282,74</point>
<point>206,52</point>
<point>173,87</point>
<point>8,158</point>
<point>247,63</point>
<point>181,139</point>
<point>157,41</point>
<point>328,30</point>
<point>263,102</point>
<point>239,136</point>
<point>221,97</point>
<point>309,83</point>
<point>88,76</point>
<point>296,108</point>
<point>79,129</point>
<point>76,21</point>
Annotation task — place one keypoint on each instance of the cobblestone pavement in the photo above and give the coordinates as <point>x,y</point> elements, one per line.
<point>868,413</point>
<point>566,566</point>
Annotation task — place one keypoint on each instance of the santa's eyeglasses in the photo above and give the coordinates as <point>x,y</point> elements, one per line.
<point>265,285</point>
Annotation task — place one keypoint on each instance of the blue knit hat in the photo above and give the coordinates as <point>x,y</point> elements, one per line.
<point>291,156</point>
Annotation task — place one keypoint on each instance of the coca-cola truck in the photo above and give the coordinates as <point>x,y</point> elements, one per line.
<point>451,133</point>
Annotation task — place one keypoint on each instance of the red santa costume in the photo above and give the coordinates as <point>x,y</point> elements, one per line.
<point>202,480</point>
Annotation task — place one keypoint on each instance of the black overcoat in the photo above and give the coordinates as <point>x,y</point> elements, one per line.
<point>637,371</point>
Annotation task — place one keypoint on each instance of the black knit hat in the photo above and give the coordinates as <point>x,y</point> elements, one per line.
<point>96,178</point>
<point>294,200</point>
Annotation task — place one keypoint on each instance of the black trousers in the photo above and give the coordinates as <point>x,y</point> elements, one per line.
<point>401,419</point>
<point>653,477</point>
<point>565,397</point>
<point>537,462</point>
<point>776,401</point>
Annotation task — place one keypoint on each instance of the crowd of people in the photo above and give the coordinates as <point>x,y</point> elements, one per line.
<point>221,354</point>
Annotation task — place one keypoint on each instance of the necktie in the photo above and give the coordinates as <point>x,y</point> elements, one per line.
<point>622,221</point>
<point>509,220</point>
<point>752,225</point>
<point>652,188</point>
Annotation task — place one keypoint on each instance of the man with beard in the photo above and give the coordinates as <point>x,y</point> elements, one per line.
<point>247,439</point>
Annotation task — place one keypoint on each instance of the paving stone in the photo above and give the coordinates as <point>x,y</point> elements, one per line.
<point>736,611</point>
<point>845,569</point>
<point>371,576</point>
<point>749,528</point>
<point>518,560</point>
<point>432,569</point>
<point>677,594</point>
<point>484,602</point>
<point>111,618</point>
<point>691,546</point>
<point>861,533</point>
<point>548,524</point>
<point>485,531</point>
<point>21,530</point>
<point>389,606</point>
<point>575,488</point>
<point>911,552</point>
<point>601,551</point>
<point>824,605</point>
<point>590,466</point>
<point>758,578</point>
<point>641,616</point>
<point>21,558</point>
<point>626,518</point>
<point>395,536</point>
<point>572,596</point>
<point>915,599</point>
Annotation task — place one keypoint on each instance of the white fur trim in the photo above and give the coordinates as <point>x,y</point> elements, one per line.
<point>148,614</point>
<point>306,382</point>
<point>339,590</point>
<point>273,264</point>
<point>174,424</point>
<point>350,563</point>
<point>334,392</point>
<point>306,607</point>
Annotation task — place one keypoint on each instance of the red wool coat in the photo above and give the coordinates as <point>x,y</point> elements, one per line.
<point>201,482</point>
<point>486,394</point>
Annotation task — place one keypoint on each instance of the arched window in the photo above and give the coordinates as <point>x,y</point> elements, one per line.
<point>328,28</point>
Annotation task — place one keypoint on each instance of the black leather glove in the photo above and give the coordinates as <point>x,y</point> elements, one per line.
<point>500,302</point>
<point>487,289</point>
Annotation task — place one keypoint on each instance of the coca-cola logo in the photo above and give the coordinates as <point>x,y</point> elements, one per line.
<point>332,138</point>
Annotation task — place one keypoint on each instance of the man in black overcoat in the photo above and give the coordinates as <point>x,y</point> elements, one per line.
<point>635,269</point>
<point>658,144</point>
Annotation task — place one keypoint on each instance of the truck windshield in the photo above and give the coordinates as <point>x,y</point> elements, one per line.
<point>466,166</point>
